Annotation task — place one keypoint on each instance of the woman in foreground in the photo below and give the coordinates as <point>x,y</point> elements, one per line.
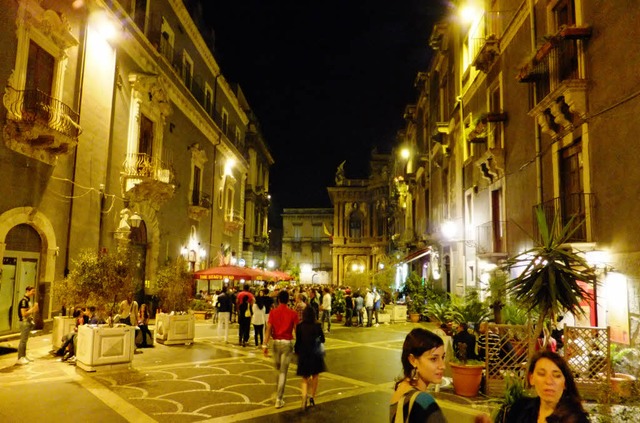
<point>558,400</point>
<point>422,363</point>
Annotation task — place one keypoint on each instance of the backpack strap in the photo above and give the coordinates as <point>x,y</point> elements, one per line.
<point>400,410</point>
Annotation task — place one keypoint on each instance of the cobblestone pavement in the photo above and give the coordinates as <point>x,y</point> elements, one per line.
<point>208,381</point>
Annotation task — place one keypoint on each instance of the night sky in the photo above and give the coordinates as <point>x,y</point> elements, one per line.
<point>328,79</point>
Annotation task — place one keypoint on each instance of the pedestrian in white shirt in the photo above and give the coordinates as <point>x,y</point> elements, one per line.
<point>325,308</point>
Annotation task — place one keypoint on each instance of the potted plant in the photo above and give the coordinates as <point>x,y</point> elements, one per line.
<point>514,390</point>
<point>623,364</point>
<point>468,309</point>
<point>549,274</point>
<point>415,292</point>
<point>438,310</point>
<point>174,325</point>
<point>338,304</point>
<point>466,374</point>
<point>102,280</point>
<point>201,309</point>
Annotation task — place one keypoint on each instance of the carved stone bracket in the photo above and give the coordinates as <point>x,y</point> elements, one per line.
<point>197,212</point>
<point>154,192</point>
<point>153,89</point>
<point>491,164</point>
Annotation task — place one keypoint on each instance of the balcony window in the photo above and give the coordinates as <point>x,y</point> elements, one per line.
<point>187,70</point>
<point>140,13</point>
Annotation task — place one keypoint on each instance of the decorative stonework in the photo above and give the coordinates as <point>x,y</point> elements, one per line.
<point>491,164</point>
<point>151,89</point>
<point>152,191</point>
<point>197,212</point>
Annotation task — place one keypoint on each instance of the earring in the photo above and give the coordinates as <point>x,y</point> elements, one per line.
<point>414,374</point>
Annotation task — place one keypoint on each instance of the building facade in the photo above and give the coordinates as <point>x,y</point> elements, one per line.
<point>306,243</point>
<point>523,107</point>
<point>118,127</point>
<point>361,214</point>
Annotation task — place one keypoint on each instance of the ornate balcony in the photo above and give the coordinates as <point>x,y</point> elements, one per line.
<point>38,125</point>
<point>486,50</point>
<point>147,178</point>
<point>233,222</point>
<point>200,205</point>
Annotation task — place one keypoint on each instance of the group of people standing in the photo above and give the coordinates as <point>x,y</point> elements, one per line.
<point>557,398</point>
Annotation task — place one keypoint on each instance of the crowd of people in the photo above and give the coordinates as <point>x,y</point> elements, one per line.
<point>294,320</point>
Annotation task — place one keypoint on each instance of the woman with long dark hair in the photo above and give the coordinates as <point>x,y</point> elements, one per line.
<point>258,320</point>
<point>558,399</point>
<point>143,324</point>
<point>422,363</point>
<point>310,350</point>
<point>244,320</point>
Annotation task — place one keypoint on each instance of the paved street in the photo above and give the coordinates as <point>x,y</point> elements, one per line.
<point>208,381</point>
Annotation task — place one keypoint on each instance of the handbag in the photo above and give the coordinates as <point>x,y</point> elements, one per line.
<point>247,312</point>
<point>319,347</point>
<point>400,410</point>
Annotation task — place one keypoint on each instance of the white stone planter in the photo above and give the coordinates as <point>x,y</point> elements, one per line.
<point>104,347</point>
<point>173,329</point>
<point>62,325</point>
<point>398,313</point>
<point>384,318</point>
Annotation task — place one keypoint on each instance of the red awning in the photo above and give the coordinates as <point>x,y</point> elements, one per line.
<point>229,272</point>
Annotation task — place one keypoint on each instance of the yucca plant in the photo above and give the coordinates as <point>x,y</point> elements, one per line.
<point>549,273</point>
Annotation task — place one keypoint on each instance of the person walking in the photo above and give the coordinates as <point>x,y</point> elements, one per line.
<point>310,351</point>
<point>244,321</point>
<point>258,320</point>
<point>348,304</point>
<point>368,305</point>
<point>280,327</point>
<point>224,313</point>
<point>26,311</point>
<point>359,309</point>
<point>325,308</point>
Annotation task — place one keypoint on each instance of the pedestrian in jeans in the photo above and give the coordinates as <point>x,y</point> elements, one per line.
<point>224,313</point>
<point>281,325</point>
<point>25,314</point>
<point>326,309</point>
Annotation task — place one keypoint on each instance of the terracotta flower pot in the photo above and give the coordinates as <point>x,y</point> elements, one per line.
<point>622,384</point>
<point>466,379</point>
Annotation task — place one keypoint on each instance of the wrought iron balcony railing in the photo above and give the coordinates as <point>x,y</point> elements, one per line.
<point>35,107</point>
<point>143,166</point>
<point>578,206</point>
<point>201,199</point>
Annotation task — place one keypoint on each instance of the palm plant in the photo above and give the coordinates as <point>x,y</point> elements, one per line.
<point>548,282</point>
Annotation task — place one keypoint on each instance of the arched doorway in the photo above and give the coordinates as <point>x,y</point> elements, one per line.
<point>20,268</point>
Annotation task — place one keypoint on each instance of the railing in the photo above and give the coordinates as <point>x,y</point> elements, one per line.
<point>577,205</point>
<point>233,221</point>
<point>192,81</point>
<point>141,165</point>
<point>34,106</point>
<point>557,61</point>
<point>201,199</point>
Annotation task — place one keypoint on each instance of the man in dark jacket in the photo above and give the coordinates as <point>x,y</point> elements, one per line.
<point>464,337</point>
<point>224,313</point>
